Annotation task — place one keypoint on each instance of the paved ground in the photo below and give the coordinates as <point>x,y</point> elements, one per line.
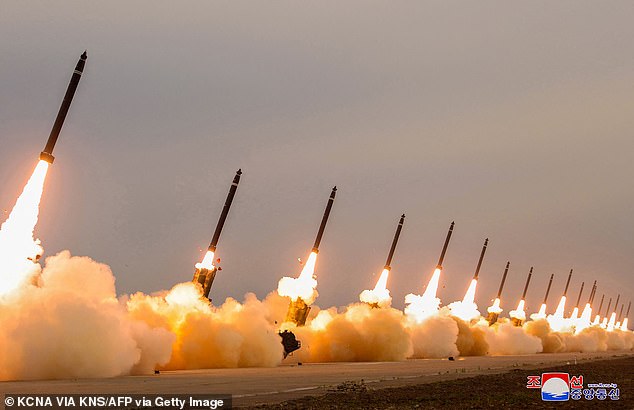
<point>489,391</point>
<point>272,385</point>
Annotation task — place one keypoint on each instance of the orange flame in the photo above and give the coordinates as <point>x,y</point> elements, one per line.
<point>19,251</point>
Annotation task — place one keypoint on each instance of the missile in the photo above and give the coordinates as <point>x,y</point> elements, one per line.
<point>594,288</point>
<point>528,280</point>
<point>629,305</point>
<point>600,305</point>
<point>205,275</point>
<point>47,154</point>
<point>568,283</point>
<point>616,305</point>
<point>607,312</point>
<point>621,312</point>
<point>548,288</point>
<point>324,220</point>
<point>484,249</point>
<point>444,248</point>
<point>580,292</point>
<point>225,211</point>
<point>388,263</point>
<point>506,270</point>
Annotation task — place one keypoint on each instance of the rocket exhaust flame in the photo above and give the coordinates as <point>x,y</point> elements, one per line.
<point>304,286</point>
<point>557,321</point>
<point>419,307</point>
<point>380,295</point>
<point>19,251</point>
<point>467,309</point>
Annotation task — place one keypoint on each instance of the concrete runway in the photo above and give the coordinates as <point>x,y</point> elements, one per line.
<point>250,386</point>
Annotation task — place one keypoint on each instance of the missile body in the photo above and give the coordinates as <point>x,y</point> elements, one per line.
<point>484,249</point>
<point>225,211</point>
<point>616,305</point>
<point>324,220</point>
<point>506,270</point>
<point>580,292</point>
<point>528,280</point>
<point>205,275</point>
<point>444,248</point>
<point>568,283</point>
<point>621,312</point>
<point>607,312</point>
<point>47,154</point>
<point>388,263</point>
<point>594,289</point>
<point>600,305</point>
<point>548,289</point>
<point>629,305</point>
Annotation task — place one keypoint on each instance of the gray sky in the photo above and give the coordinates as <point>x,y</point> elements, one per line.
<point>512,118</point>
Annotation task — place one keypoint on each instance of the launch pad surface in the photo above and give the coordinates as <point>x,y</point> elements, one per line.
<point>251,386</point>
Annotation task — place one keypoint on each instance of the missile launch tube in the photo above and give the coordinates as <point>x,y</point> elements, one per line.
<point>324,220</point>
<point>484,249</point>
<point>47,154</point>
<point>444,248</point>
<point>225,211</point>
<point>568,283</point>
<point>528,280</point>
<point>548,288</point>
<point>506,270</point>
<point>388,263</point>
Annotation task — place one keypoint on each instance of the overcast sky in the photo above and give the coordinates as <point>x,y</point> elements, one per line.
<point>515,119</point>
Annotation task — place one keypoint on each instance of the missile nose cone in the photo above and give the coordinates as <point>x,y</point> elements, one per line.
<point>334,188</point>
<point>403,216</point>
<point>84,56</point>
<point>239,172</point>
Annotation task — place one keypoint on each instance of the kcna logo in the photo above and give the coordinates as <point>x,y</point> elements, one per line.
<point>555,386</point>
